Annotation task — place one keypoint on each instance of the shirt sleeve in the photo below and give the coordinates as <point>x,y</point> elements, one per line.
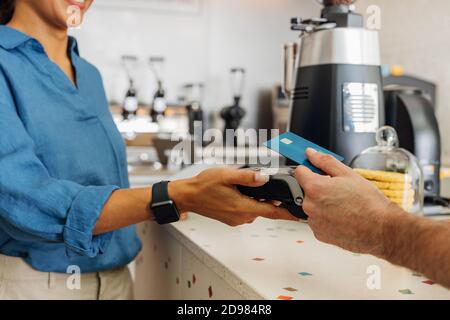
<point>36,207</point>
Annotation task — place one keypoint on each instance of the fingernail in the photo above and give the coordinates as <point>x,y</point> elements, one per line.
<point>311,151</point>
<point>263,178</point>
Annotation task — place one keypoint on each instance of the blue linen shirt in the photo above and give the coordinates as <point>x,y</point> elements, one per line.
<point>61,157</point>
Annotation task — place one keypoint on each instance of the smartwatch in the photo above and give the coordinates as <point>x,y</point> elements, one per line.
<point>163,208</point>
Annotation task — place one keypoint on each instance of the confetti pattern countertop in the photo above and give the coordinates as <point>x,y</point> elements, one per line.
<point>283,260</point>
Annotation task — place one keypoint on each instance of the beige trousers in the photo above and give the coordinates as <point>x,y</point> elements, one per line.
<point>19,281</point>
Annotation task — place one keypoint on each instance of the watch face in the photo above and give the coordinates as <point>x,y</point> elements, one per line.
<point>165,212</point>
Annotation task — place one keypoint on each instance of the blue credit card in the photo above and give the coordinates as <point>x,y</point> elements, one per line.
<point>293,147</point>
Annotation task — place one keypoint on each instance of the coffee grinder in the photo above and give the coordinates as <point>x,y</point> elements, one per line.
<point>333,77</point>
<point>194,97</point>
<point>130,103</point>
<point>234,114</point>
<point>159,104</point>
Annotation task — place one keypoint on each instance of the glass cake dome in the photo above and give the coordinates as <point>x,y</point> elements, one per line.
<point>395,171</point>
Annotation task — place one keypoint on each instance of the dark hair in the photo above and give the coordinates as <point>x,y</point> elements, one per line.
<point>6,10</point>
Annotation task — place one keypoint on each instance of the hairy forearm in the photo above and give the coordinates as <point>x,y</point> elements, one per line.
<point>419,244</point>
<point>124,208</point>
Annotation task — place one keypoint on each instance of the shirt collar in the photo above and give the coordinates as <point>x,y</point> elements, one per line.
<point>11,38</point>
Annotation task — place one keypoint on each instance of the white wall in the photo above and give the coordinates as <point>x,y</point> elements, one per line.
<point>250,33</point>
<point>107,34</point>
<point>416,35</point>
<point>199,48</point>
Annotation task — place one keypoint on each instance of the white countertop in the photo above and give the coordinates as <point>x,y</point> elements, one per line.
<point>283,260</point>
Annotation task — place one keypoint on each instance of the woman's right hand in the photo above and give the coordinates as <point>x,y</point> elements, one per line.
<point>213,194</point>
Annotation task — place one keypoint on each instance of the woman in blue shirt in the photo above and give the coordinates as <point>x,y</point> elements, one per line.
<point>65,202</point>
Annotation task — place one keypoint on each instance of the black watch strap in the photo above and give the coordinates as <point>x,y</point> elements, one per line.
<point>160,192</point>
<point>163,208</point>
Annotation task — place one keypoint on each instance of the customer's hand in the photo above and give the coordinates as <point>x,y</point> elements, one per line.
<point>344,209</point>
<point>213,194</point>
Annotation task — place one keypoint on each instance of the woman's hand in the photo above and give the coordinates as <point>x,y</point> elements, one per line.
<point>213,194</point>
<point>344,209</point>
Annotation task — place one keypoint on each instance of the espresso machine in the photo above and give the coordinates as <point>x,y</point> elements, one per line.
<point>333,77</point>
<point>410,108</point>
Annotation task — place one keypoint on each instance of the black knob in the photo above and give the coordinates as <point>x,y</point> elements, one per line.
<point>429,186</point>
<point>296,20</point>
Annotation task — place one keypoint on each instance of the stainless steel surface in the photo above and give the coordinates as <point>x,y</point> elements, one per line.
<point>445,188</point>
<point>345,2</point>
<point>354,46</point>
<point>141,156</point>
<point>439,212</point>
<point>289,70</point>
<point>144,176</point>
<point>144,169</point>
<point>361,107</point>
<point>237,81</point>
